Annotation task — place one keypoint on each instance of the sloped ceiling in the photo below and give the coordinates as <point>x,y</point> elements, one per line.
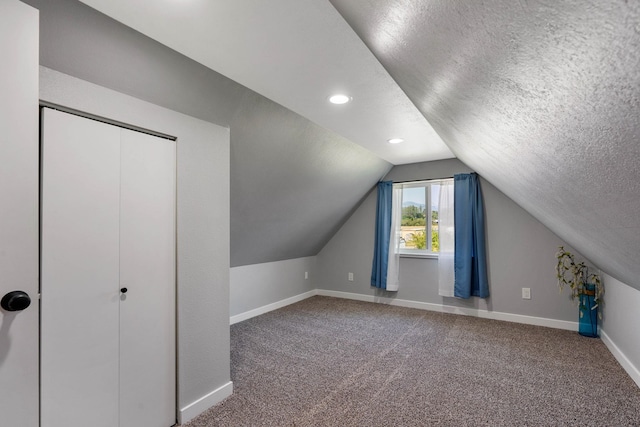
<point>288,174</point>
<point>296,53</point>
<point>542,98</point>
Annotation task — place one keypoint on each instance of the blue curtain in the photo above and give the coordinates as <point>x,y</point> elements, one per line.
<point>470,253</point>
<point>383,232</point>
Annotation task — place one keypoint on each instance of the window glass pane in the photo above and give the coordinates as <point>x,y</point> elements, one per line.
<point>435,198</point>
<point>414,214</point>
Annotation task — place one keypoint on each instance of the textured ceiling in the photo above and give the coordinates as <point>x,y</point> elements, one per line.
<point>542,98</point>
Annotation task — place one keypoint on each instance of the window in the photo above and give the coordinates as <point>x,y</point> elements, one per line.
<point>418,228</point>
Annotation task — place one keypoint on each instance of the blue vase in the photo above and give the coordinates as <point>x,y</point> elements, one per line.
<point>588,322</point>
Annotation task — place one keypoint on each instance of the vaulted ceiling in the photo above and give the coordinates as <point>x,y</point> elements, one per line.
<point>541,98</point>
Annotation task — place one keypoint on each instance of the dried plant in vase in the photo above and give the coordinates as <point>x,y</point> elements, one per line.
<point>586,287</point>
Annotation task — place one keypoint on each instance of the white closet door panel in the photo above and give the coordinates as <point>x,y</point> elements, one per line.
<point>147,270</point>
<point>80,256</point>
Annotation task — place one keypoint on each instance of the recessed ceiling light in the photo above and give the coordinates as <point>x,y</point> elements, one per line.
<point>395,140</point>
<point>339,99</point>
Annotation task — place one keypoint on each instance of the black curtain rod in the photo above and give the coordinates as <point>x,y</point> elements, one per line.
<point>421,180</point>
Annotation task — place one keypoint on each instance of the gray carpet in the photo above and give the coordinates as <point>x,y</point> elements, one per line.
<point>333,362</point>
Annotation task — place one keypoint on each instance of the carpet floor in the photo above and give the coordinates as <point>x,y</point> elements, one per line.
<point>333,362</point>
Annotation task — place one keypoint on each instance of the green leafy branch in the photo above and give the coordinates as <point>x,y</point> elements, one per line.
<point>576,276</point>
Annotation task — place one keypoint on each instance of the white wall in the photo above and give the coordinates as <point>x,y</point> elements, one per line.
<point>620,329</point>
<point>521,253</point>
<point>258,288</point>
<point>202,227</point>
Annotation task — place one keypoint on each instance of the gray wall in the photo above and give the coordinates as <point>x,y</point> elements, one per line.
<point>264,286</point>
<point>285,198</point>
<point>521,253</point>
<point>202,225</point>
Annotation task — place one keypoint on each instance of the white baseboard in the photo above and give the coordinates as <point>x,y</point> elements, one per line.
<point>626,364</point>
<point>194,409</point>
<point>485,314</point>
<point>270,307</point>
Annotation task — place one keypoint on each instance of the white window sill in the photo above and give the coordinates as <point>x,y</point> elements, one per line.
<point>418,255</point>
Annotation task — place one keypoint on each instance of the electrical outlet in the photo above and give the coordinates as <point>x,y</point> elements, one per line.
<point>526,293</point>
<point>351,277</point>
<point>306,275</point>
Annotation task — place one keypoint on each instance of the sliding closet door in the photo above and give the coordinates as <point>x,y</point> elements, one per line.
<point>80,274</point>
<point>147,271</point>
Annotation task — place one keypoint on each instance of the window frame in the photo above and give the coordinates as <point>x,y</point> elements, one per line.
<point>426,184</point>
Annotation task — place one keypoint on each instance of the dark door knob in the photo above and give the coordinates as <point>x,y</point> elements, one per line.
<point>124,290</point>
<point>15,301</point>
